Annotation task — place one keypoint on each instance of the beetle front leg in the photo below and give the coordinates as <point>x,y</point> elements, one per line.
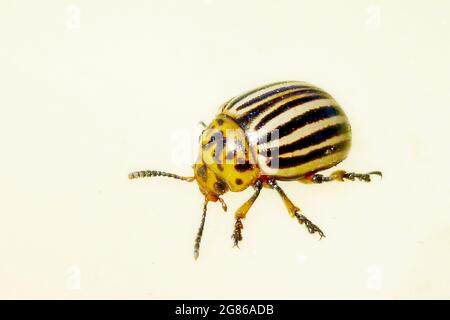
<point>340,175</point>
<point>242,212</point>
<point>294,211</point>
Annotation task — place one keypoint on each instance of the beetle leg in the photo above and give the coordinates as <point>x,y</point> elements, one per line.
<point>339,175</point>
<point>242,212</point>
<point>294,211</point>
<point>198,238</point>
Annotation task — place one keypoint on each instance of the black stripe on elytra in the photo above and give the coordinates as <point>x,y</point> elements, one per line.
<point>268,94</point>
<point>289,162</point>
<point>247,117</point>
<point>314,138</point>
<point>300,121</point>
<point>289,105</point>
<point>245,95</point>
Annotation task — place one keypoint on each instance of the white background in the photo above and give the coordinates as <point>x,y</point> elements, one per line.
<point>91,90</point>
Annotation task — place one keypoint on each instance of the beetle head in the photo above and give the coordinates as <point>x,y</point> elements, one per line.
<point>224,161</point>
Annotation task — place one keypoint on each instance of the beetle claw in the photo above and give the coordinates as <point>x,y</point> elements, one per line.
<point>378,173</point>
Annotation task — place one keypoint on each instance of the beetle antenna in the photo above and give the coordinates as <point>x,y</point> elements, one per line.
<point>152,173</point>
<point>198,239</point>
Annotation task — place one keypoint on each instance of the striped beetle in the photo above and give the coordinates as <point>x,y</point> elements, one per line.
<point>286,130</point>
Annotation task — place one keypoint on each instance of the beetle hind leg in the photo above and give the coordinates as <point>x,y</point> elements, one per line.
<point>242,212</point>
<point>340,175</point>
<point>295,211</point>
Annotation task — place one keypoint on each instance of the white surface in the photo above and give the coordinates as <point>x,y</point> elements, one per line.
<point>91,90</point>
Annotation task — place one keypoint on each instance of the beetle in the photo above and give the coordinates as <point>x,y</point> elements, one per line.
<point>282,131</point>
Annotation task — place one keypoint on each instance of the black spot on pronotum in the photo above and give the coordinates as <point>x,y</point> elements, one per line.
<point>220,186</point>
<point>220,122</point>
<point>220,166</point>
<point>201,171</point>
<point>238,181</point>
<point>242,167</point>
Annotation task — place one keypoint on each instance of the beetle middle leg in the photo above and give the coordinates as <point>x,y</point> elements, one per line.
<point>294,211</point>
<point>242,212</point>
<point>340,175</point>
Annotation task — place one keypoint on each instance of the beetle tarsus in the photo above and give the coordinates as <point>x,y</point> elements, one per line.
<point>362,176</point>
<point>237,234</point>
<point>341,175</point>
<point>312,228</point>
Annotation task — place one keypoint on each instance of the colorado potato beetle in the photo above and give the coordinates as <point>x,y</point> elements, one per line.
<point>287,130</point>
